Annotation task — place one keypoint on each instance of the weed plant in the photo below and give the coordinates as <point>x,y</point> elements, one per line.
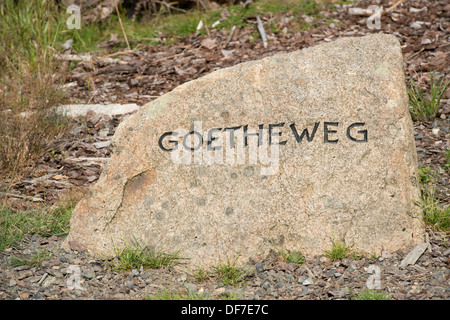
<point>424,107</point>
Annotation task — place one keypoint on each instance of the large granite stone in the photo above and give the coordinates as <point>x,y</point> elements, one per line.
<point>325,150</point>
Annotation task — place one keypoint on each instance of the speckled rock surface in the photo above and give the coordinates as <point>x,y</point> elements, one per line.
<point>350,176</point>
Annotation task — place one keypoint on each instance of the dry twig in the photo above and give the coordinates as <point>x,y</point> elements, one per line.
<point>395,5</point>
<point>121,26</point>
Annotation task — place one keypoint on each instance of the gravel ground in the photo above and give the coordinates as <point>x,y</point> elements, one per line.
<point>75,275</point>
<point>318,278</point>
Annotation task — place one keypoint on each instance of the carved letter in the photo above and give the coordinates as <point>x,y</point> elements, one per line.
<point>271,126</point>
<point>200,143</point>
<point>171,141</point>
<point>326,131</point>
<point>363,132</point>
<point>305,132</point>
<point>211,139</point>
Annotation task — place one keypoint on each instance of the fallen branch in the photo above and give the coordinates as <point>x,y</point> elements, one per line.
<point>170,57</point>
<point>73,57</point>
<point>7,194</point>
<point>116,54</point>
<point>415,54</point>
<point>87,161</point>
<point>40,179</point>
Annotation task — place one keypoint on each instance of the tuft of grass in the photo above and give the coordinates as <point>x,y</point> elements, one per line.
<point>289,256</point>
<point>29,29</point>
<point>373,256</point>
<point>15,225</point>
<point>339,250</point>
<point>434,215</point>
<point>425,106</point>
<point>229,274</point>
<point>447,165</point>
<point>292,256</point>
<point>200,275</point>
<point>444,241</point>
<point>425,175</point>
<point>35,261</point>
<point>357,255</point>
<point>29,79</point>
<point>178,295</point>
<point>231,295</point>
<point>295,257</point>
<point>372,295</point>
<point>129,258</point>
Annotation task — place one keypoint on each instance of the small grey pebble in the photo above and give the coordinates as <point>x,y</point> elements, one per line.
<point>191,287</point>
<point>259,267</point>
<point>279,285</point>
<point>421,155</point>
<point>89,274</point>
<point>352,268</point>
<point>135,272</point>
<point>265,285</point>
